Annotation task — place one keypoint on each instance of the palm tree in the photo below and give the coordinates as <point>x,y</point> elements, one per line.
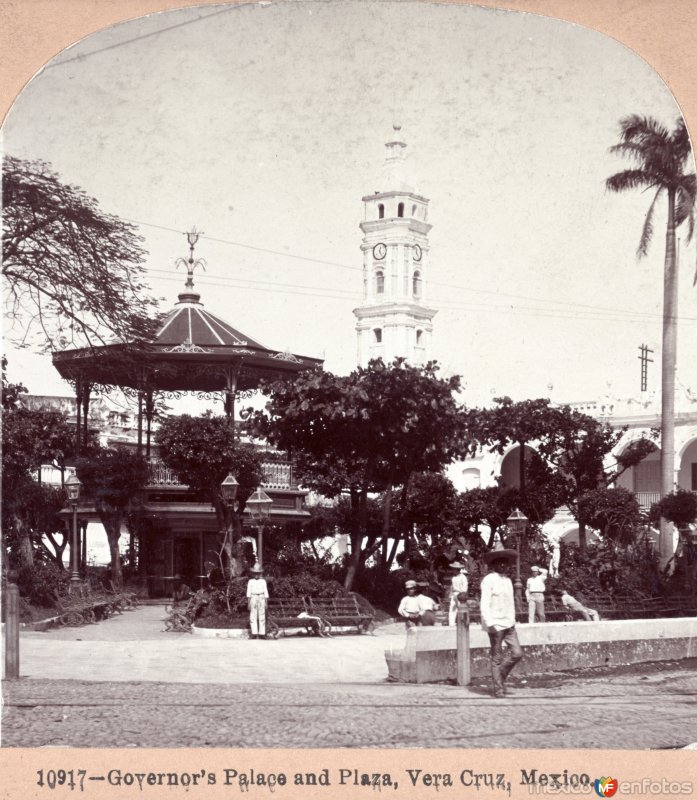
<point>661,158</point>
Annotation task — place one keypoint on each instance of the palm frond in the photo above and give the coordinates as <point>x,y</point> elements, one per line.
<point>680,140</point>
<point>685,209</point>
<point>644,131</point>
<point>647,230</point>
<point>630,179</point>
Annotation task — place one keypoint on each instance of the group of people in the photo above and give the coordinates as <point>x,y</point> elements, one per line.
<point>497,609</point>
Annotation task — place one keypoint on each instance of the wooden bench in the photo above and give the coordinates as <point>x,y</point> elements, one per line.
<point>284,613</point>
<point>123,600</point>
<point>342,612</point>
<point>81,607</point>
<point>181,615</point>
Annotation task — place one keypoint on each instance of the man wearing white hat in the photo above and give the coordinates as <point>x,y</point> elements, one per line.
<point>458,590</point>
<point>497,608</point>
<point>416,608</point>
<point>535,594</point>
<point>257,597</point>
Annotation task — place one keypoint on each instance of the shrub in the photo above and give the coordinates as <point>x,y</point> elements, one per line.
<point>679,507</point>
<point>38,583</point>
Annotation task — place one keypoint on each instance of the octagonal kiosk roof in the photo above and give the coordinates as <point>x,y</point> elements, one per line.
<point>193,351</point>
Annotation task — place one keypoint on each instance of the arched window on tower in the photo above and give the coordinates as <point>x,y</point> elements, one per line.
<point>413,210</point>
<point>419,338</point>
<point>377,334</point>
<point>381,211</point>
<point>400,210</point>
<point>416,284</point>
<point>379,282</point>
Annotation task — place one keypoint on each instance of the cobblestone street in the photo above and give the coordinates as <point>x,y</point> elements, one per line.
<point>125,683</point>
<point>652,708</point>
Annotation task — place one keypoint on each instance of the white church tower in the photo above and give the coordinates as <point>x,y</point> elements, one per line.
<point>393,319</point>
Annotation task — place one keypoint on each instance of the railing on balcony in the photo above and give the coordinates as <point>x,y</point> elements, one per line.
<point>277,475</point>
<point>647,499</point>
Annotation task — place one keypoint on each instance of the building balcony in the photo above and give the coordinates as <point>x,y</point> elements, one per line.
<point>277,475</point>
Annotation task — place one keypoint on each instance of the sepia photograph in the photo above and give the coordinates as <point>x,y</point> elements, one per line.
<point>349,400</point>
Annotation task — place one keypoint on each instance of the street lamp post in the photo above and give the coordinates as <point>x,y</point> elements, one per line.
<point>516,523</point>
<point>259,505</point>
<point>73,486</point>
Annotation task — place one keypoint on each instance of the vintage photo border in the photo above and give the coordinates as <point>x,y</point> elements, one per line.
<point>663,32</point>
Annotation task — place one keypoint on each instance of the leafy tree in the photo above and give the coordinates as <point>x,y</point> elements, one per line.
<point>366,433</point>
<point>114,479</point>
<point>579,447</point>
<point>662,160</point>
<point>679,507</point>
<point>614,512</point>
<point>511,423</point>
<point>72,273</point>
<point>11,392</point>
<point>30,438</point>
<point>202,451</point>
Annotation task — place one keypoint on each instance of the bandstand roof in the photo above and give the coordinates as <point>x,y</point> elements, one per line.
<point>193,351</point>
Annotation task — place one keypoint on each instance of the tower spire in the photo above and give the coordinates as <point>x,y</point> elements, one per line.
<point>394,175</point>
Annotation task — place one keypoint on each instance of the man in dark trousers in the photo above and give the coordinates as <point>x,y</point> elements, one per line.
<point>497,606</point>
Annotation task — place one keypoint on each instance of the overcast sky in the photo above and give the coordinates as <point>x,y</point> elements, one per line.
<point>265,125</point>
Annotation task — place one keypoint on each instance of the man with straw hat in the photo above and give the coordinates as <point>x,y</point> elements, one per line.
<point>257,597</point>
<point>498,617</point>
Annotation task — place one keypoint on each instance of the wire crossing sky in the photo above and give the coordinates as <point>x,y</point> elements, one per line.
<point>264,126</point>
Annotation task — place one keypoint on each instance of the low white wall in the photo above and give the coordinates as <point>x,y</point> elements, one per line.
<point>429,653</point>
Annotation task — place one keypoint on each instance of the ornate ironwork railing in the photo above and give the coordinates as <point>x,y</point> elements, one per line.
<point>277,475</point>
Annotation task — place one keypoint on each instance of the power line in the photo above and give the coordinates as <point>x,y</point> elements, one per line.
<point>546,311</point>
<point>83,56</point>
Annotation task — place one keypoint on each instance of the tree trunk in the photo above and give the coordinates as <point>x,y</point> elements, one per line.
<point>26,549</point>
<point>112,526</point>
<point>521,469</point>
<point>668,359</point>
<point>359,516</point>
<point>582,536</point>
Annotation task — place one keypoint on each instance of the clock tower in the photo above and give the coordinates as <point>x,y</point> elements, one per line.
<point>393,320</point>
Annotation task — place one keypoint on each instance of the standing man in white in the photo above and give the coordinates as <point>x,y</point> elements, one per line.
<point>497,608</point>
<point>459,586</point>
<point>535,594</point>
<point>257,597</point>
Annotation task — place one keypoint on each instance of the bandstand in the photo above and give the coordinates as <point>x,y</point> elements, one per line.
<point>193,352</point>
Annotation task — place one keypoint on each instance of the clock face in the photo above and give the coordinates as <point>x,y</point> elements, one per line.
<point>379,251</point>
<point>417,253</point>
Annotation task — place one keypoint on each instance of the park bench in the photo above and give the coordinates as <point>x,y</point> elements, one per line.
<point>181,615</point>
<point>285,613</point>
<point>80,606</point>
<point>123,599</point>
<point>342,612</point>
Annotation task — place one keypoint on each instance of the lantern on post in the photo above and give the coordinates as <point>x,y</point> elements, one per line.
<point>73,487</point>
<point>259,507</point>
<point>516,523</point>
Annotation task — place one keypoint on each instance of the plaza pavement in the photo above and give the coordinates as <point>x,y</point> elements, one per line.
<point>125,683</point>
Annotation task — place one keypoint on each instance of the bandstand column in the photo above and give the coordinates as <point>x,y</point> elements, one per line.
<point>149,410</point>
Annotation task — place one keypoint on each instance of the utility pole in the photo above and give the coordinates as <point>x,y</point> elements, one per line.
<point>645,361</point>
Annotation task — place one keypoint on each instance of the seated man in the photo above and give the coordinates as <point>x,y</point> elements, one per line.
<point>416,608</point>
<point>570,602</point>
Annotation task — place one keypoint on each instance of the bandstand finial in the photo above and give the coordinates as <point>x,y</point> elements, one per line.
<point>191,263</point>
